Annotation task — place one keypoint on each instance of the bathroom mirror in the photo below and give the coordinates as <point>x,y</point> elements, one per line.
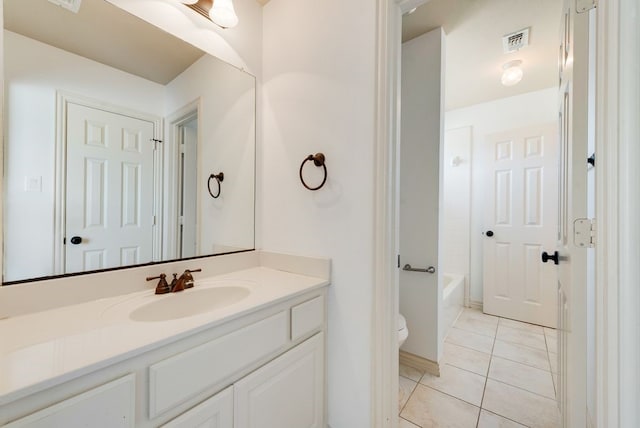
<point>123,145</point>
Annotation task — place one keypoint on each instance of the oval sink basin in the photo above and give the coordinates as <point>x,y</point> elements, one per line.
<point>188,303</point>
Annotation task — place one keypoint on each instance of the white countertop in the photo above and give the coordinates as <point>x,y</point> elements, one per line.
<point>44,349</point>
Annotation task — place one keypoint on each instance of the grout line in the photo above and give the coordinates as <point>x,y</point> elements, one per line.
<point>522,389</point>
<point>486,378</point>
<point>452,396</point>
<point>504,417</point>
<point>409,397</point>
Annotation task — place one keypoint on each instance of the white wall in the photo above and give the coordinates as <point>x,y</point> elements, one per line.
<point>489,118</point>
<point>456,214</point>
<point>421,153</point>
<point>226,128</point>
<point>33,73</point>
<point>319,70</point>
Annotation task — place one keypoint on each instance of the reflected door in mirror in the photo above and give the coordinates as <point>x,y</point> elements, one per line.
<point>109,189</point>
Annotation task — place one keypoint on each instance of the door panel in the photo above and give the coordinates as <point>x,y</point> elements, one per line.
<point>109,189</point>
<point>572,270</point>
<point>521,211</point>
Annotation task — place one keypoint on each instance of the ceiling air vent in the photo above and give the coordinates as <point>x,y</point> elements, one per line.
<point>72,5</point>
<point>515,41</point>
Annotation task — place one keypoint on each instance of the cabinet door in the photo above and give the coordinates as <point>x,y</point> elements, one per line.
<point>287,392</point>
<point>216,412</point>
<point>108,406</point>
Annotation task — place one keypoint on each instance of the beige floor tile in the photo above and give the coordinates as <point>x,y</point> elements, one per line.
<point>476,326</point>
<point>521,406</point>
<point>476,314</point>
<point>513,335</point>
<point>553,360</point>
<point>470,340</point>
<point>552,344</point>
<point>460,383</point>
<point>522,354</point>
<point>466,358</point>
<point>406,388</point>
<point>523,376</point>
<point>411,372</point>
<point>403,423</point>
<point>522,326</point>
<point>491,420</point>
<point>554,376</point>
<point>430,408</point>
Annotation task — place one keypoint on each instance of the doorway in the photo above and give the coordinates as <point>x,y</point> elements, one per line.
<point>529,351</point>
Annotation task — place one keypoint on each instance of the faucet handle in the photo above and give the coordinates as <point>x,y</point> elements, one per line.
<point>163,287</point>
<point>188,278</point>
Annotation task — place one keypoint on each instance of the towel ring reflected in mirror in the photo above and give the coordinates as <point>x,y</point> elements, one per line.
<point>319,161</point>
<point>219,179</point>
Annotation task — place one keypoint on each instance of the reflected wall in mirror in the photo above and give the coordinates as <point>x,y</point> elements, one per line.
<point>112,129</point>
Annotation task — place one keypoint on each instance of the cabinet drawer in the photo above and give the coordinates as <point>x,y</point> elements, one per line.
<point>307,317</point>
<point>216,412</point>
<point>182,376</point>
<point>108,406</point>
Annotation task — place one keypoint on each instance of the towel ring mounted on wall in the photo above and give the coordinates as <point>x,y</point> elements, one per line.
<point>318,160</point>
<point>219,179</point>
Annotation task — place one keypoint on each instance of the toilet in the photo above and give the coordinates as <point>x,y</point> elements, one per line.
<point>403,331</point>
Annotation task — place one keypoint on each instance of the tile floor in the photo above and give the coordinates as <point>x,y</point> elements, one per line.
<point>495,372</point>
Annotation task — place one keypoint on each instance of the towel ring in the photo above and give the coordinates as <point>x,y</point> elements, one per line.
<point>219,179</point>
<point>318,160</point>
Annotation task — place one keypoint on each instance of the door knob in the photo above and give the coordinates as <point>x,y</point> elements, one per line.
<point>489,233</point>
<point>546,257</point>
<point>76,240</point>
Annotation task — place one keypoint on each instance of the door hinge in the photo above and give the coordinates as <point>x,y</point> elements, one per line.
<point>583,6</point>
<point>584,233</point>
<point>398,261</point>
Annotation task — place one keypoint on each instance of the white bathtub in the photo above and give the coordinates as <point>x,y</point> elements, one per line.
<point>452,301</point>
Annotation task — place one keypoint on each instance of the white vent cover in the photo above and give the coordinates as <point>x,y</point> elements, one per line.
<point>72,5</point>
<point>514,41</point>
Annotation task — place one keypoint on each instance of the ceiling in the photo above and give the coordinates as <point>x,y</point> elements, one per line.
<point>474,54</point>
<point>104,33</point>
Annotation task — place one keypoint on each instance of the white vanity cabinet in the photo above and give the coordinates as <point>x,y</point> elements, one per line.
<point>108,406</point>
<point>215,412</point>
<point>287,392</point>
<point>264,369</point>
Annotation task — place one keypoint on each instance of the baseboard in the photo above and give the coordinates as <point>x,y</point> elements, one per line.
<point>411,360</point>
<point>475,305</point>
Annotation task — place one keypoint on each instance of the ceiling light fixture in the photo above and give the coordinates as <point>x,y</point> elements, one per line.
<point>220,12</point>
<point>512,73</point>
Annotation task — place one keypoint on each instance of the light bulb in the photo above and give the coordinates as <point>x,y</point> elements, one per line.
<point>223,14</point>
<point>512,73</point>
<point>189,1</point>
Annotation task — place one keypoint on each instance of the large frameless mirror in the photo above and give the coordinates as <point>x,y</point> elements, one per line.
<point>123,145</point>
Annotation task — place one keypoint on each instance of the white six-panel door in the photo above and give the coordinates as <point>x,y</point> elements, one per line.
<point>572,267</point>
<point>520,217</point>
<point>109,189</point>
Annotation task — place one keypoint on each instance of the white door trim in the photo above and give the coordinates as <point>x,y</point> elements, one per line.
<point>174,121</point>
<point>384,338</point>
<point>617,213</point>
<point>63,99</point>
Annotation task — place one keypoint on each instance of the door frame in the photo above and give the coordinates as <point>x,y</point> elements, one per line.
<point>617,205</point>
<point>63,99</point>
<point>617,211</point>
<point>174,122</point>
